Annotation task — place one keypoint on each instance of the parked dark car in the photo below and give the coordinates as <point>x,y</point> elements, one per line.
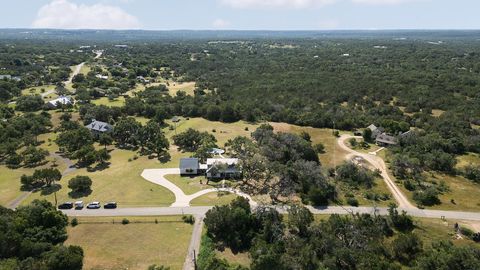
<point>66,205</point>
<point>110,205</point>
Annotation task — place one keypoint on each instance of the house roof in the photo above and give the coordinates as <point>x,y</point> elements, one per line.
<point>387,139</point>
<point>62,100</point>
<point>228,161</point>
<point>189,163</point>
<point>99,126</point>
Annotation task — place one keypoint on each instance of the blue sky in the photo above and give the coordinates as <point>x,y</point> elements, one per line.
<point>241,14</point>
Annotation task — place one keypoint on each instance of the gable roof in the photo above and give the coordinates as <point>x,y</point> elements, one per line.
<point>62,100</point>
<point>387,139</point>
<point>189,163</point>
<point>228,161</point>
<point>99,126</point>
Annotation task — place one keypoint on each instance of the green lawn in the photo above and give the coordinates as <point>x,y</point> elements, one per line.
<point>120,182</point>
<point>432,230</point>
<point>213,199</point>
<point>10,178</point>
<point>37,90</point>
<point>191,185</point>
<point>464,192</point>
<point>132,246</point>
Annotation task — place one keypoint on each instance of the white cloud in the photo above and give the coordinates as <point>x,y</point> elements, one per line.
<point>299,4</point>
<point>220,23</point>
<point>66,15</point>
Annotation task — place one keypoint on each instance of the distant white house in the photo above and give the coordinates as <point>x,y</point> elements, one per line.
<point>8,77</point>
<point>103,77</point>
<point>62,100</point>
<point>142,79</point>
<point>222,168</point>
<point>121,46</point>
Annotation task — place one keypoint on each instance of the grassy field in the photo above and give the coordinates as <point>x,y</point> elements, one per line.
<point>191,185</point>
<point>470,158</point>
<point>187,87</point>
<point>117,102</point>
<point>213,199</point>
<point>223,131</point>
<point>242,258</point>
<point>120,182</point>
<point>432,230</point>
<point>37,90</point>
<point>463,192</point>
<point>132,246</point>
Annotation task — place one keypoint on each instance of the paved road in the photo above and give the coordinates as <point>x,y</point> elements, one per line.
<point>327,210</point>
<point>157,176</point>
<point>378,163</point>
<point>194,247</point>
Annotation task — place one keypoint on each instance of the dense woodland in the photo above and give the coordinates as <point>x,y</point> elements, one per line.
<point>345,83</point>
<point>338,242</point>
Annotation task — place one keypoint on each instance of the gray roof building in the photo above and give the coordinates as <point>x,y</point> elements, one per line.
<point>189,166</point>
<point>385,139</point>
<point>99,126</point>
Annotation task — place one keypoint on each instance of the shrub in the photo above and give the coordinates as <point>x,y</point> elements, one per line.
<point>352,201</point>
<point>125,221</point>
<point>318,196</point>
<point>427,197</point>
<point>467,232</point>
<point>74,222</point>
<point>188,219</point>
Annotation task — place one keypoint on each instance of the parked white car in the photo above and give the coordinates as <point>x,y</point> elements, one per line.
<point>78,205</point>
<point>93,205</point>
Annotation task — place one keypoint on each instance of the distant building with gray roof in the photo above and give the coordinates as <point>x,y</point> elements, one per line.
<point>99,127</point>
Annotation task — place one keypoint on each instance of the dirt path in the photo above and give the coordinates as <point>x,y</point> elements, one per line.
<point>378,163</point>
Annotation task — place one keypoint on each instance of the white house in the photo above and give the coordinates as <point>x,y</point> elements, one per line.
<point>222,168</point>
<point>62,100</point>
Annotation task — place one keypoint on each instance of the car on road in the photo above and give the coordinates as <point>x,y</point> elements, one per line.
<point>93,205</point>
<point>110,205</point>
<point>66,205</point>
<point>78,205</point>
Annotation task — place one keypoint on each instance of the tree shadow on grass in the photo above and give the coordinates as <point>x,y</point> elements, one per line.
<point>79,194</point>
<point>99,167</point>
<point>47,190</point>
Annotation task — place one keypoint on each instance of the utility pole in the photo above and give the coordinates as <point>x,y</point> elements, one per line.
<point>194,260</point>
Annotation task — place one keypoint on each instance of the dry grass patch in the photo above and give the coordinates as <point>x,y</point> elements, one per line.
<point>186,87</point>
<point>223,131</point>
<point>132,246</point>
